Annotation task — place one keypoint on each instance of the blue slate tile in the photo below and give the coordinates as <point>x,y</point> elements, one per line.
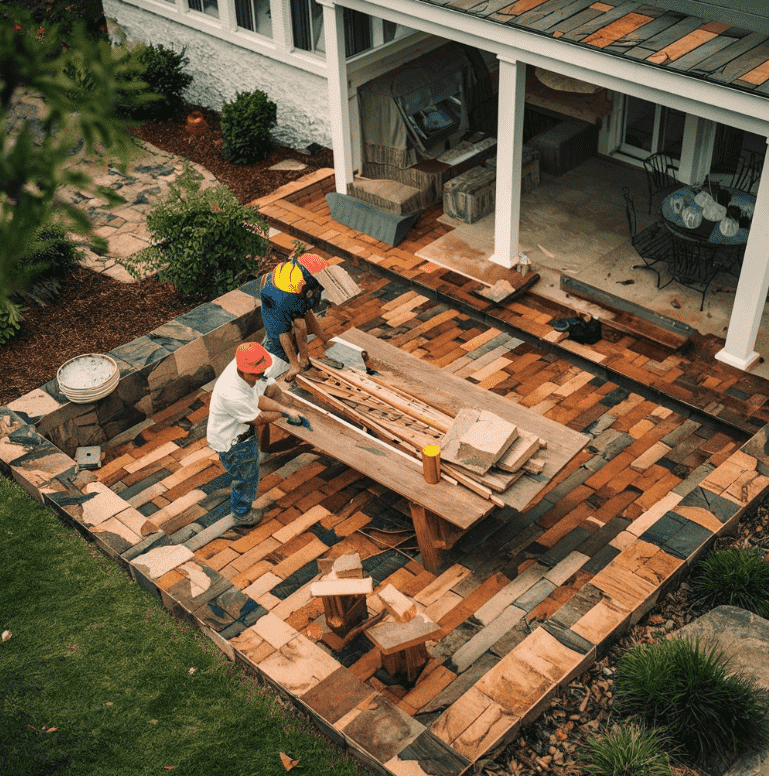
<point>52,389</point>
<point>689,539</point>
<point>157,539</point>
<point>137,488</point>
<point>293,582</point>
<point>224,480</point>
<point>603,536</point>
<point>615,397</point>
<point>535,595</point>
<point>559,551</point>
<point>666,527</point>
<point>138,353</point>
<point>381,566</point>
<point>148,509</point>
<point>206,317</point>
<point>721,507</point>
<point>568,637</point>
<point>601,559</point>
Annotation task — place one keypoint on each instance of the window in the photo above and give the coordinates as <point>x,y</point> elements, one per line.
<point>651,128</point>
<point>361,31</point>
<point>209,7</point>
<point>307,25</point>
<point>254,15</point>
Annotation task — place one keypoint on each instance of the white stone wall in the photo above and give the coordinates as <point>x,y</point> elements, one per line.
<point>221,69</point>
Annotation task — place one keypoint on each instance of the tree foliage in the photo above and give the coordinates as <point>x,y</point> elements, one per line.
<point>34,157</point>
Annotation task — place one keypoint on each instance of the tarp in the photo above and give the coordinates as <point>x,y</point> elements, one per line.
<point>416,89</point>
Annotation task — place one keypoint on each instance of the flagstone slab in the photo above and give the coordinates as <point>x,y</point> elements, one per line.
<point>160,560</point>
<point>34,405</point>
<point>380,728</point>
<point>299,665</point>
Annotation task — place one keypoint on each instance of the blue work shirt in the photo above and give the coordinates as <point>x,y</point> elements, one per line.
<point>279,310</point>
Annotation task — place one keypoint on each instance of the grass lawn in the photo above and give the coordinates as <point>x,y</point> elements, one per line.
<point>127,688</point>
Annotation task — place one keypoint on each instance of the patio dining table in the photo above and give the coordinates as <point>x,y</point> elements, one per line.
<point>718,216</point>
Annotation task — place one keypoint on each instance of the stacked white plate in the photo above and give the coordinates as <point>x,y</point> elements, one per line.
<point>88,377</point>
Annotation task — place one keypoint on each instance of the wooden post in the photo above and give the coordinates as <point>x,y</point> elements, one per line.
<point>427,536</point>
<point>431,464</point>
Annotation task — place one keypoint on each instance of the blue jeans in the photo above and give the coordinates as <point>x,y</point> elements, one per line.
<point>242,462</point>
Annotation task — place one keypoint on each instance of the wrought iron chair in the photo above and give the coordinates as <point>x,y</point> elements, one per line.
<point>659,174</point>
<point>744,177</point>
<point>653,244</point>
<point>694,264</point>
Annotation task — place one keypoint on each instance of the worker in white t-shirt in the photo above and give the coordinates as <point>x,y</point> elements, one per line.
<point>238,407</point>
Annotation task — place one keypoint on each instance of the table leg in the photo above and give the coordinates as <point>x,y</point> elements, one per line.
<point>428,532</point>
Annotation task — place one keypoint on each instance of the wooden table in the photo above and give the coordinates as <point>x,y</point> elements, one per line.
<point>441,512</point>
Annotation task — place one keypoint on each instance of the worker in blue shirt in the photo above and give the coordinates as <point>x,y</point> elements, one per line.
<point>289,293</point>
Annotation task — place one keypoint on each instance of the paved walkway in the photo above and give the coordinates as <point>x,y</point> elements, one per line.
<point>144,183</point>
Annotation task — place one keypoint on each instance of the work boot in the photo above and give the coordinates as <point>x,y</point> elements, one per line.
<point>254,517</point>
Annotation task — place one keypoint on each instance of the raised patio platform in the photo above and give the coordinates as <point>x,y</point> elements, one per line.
<point>525,602</point>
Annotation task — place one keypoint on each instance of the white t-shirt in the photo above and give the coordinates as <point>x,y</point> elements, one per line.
<point>233,403</point>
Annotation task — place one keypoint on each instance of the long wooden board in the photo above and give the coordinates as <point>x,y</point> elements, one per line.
<point>386,465</point>
<point>418,377</point>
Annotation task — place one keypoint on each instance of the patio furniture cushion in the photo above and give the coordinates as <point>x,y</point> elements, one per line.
<point>371,220</point>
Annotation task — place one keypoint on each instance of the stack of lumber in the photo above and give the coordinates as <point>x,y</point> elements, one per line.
<point>412,423</point>
<point>337,285</point>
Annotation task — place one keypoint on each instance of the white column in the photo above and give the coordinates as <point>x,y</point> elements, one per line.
<point>697,149</point>
<point>750,298</point>
<point>338,100</point>
<point>227,17</point>
<point>507,215</point>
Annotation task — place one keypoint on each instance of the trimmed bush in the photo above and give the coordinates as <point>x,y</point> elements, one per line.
<point>627,749</point>
<point>733,578</point>
<point>162,70</point>
<point>246,125</point>
<point>206,242</point>
<point>710,715</point>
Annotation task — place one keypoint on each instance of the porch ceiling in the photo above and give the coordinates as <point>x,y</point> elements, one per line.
<point>703,67</point>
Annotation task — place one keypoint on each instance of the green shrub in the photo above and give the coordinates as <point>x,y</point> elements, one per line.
<point>10,320</point>
<point>246,125</point>
<point>686,691</point>
<point>627,750</point>
<point>162,70</point>
<point>202,244</point>
<point>51,257</point>
<point>733,578</point>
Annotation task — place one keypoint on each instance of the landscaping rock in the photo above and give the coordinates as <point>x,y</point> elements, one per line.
<point>743,638</point>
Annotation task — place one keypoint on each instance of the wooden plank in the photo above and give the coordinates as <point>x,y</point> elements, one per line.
<point>453,393</point>
<point>384,464</point>
<point>343,587</point>
<point>608,18</point>
<point>398,605</point>
<point>689,61</point>
<point>476,440</point>
<point>676,31</point>
<point>648,31</point>
<point>301,524</point>
<point>442,584</point>
<point>392,637</point>
<point>681,46</point>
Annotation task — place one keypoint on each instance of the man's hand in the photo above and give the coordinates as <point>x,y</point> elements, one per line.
<point>293,415</point>
<point>292,373</point>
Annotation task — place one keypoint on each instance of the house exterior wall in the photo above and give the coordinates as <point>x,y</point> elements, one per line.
<point>221,69</point>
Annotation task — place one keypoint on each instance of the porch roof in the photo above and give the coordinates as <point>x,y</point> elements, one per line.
<point>636,31</point>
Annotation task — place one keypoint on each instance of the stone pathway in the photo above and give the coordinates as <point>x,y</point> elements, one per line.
<point>144,183</point>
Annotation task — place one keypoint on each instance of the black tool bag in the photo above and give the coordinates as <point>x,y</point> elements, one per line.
<point>586,332</point>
